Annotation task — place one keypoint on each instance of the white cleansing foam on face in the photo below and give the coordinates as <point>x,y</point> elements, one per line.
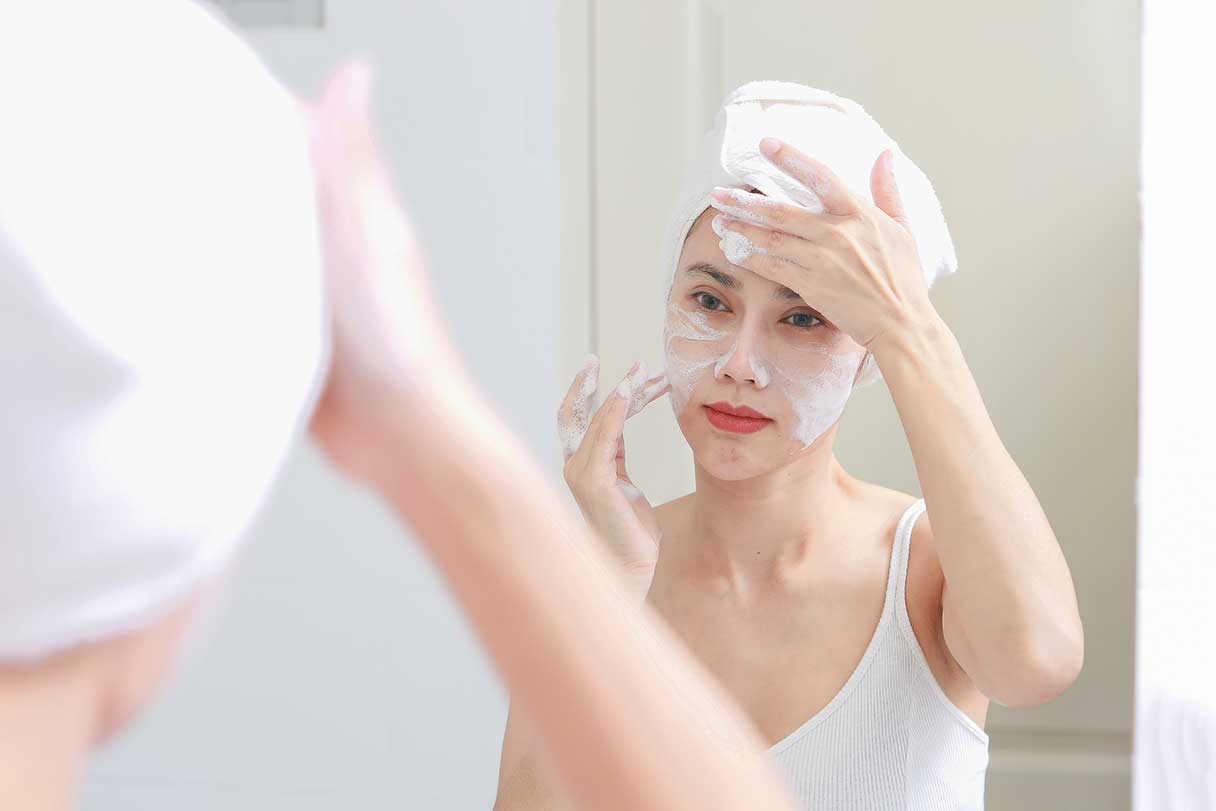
<point>813,378</point>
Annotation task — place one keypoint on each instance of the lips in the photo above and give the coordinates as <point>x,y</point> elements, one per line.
<point>737,411</point>
<point>734,421</point>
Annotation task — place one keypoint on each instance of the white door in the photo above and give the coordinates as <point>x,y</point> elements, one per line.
<point>999,104</point>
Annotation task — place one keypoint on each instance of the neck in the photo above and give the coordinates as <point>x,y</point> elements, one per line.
<point>47,714</point>
<point>763,530</point>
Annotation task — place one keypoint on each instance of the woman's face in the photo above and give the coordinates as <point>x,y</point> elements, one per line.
<point>734,338</point>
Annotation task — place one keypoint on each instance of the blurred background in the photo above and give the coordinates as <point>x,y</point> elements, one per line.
<point>539,145</point>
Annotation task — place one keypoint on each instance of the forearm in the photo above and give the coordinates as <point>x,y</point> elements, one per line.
<point>627,718</point>
<point>524,782</point>
<point>1003,566</point>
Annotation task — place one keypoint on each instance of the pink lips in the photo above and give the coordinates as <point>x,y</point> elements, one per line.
<point>737,420</point>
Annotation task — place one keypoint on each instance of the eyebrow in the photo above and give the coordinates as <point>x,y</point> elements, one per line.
<point>731,283</point>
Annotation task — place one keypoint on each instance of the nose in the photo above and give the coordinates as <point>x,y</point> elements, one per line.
<point>743,362</point>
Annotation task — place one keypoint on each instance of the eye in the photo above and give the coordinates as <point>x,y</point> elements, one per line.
<point>808,320</point>
<point>701,297</point>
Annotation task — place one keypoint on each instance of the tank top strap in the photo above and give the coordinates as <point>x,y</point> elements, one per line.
<point>899,552</point>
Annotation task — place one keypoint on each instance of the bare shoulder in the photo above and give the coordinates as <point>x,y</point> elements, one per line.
<point>883,506</point>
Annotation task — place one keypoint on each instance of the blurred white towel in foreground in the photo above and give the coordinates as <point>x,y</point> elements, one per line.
<point>161,319</point>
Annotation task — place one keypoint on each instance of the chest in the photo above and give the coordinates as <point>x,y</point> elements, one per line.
<point>783,658</point>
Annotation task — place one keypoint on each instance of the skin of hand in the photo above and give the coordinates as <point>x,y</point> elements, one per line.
<point>388,341</point>
<point>1009,608</point>
<point>595,468</point>
<point>624,717</point>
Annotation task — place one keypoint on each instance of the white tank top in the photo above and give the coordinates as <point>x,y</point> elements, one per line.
<point>890,740</point>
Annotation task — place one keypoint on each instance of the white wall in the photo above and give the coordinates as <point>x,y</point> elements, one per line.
<point>341,674</point>
<point>1175,746</point>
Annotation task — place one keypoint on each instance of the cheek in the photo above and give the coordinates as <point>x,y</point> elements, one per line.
<point>818,389</point>
<point>692,348</point>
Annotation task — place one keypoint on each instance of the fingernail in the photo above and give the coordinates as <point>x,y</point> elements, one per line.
<point>770,146</point>
<point>721,195</point>
<point>891,167</point>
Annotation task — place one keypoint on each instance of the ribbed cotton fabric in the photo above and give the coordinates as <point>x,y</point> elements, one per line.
<point>890,740</point>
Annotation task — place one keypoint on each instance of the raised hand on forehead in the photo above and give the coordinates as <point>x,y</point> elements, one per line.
<point>854,261</point>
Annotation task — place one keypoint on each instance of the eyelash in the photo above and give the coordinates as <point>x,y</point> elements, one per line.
<point>698,294</point>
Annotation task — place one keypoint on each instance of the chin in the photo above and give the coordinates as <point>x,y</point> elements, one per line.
<point>727,457</point>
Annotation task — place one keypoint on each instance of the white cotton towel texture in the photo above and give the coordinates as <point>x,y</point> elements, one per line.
<point>162,329</point>
<point>835,131</point>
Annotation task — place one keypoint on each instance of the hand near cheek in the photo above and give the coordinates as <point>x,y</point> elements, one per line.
<point>595,468</point>
<point>854,261</point>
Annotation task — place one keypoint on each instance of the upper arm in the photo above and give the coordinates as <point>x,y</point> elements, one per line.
<point>938,627</point>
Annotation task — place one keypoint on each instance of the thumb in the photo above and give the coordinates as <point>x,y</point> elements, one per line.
<point>884,189</point>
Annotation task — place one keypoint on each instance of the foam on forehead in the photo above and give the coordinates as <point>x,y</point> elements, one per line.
<point>832,129</point>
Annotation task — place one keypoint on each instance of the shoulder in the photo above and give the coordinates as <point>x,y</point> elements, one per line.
<point>924,581</point>
<point>877,506</point>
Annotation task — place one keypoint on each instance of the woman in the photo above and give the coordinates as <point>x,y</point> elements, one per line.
<point>863,640</point>
<point>152,408</point>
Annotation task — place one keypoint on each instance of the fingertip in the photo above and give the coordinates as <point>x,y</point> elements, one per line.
<point>769,147</point>
<point>626,386</point>
<point>591,366</point>
<point>887,158</point>
<point>355,81</point>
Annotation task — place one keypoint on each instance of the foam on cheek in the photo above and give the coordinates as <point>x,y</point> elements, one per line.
<point>684,370</point>
<point>819,399</point>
